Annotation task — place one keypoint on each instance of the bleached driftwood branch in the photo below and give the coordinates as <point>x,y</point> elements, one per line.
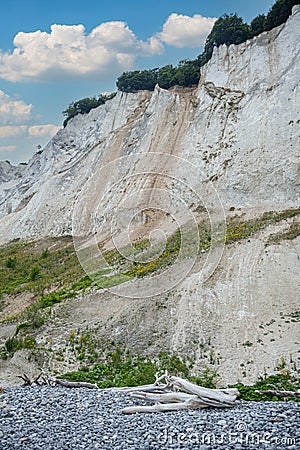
<point>206,394</point>
<point>192,397</point>
<point>75,384</point>
<point>280,393</point>
<point>157,387</point>
<point>160,407</point>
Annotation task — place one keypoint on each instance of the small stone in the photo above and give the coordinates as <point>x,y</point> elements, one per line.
<point>222,422</point>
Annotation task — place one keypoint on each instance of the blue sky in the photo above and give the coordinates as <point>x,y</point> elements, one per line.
<point>55,52</point>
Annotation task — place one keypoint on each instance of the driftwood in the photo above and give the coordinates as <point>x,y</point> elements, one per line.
<point>158,407</point>
<point>39,380</point>
<point>75,384</point>
<point>167,398</point>
<point>167,393</point>
<point>44,379</point>
<point>280,393</point>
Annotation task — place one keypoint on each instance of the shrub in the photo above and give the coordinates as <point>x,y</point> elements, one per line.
<point>11,263</point>
<point>13,344</point>
<point>280,382</point>
<point>84,106</point>
<point>35,273</point>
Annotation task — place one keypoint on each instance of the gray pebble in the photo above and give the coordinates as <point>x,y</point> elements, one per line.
<point>72,419</point>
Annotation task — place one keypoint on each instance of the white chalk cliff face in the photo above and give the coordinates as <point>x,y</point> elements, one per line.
<point>240,128</point>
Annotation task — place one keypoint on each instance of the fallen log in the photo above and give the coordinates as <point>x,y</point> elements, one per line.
<point>172,397</point>
<point>43,379</point>
<point>280,393</point>
<point>75,384</point>
<point>166,396</point>
<point>163,407</point>
<point>204,393</point>
<point>154,388</point>
<point>157,387</point>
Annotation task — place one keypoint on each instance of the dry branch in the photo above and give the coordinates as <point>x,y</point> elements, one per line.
<point>43,379</point>
<point>75,384</point>
<point>173,397</point>
<point>280,393</point>
<point>162,407</point>
<point>204,393</point>
<point>145,388</point>
<point>166,396</point>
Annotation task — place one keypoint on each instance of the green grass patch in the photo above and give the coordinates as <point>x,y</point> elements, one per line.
<point>111,364</point>
<point>238,229</point>
<point>112,280</point>
<point>52,264</point>
<point>292,232</point>
<point>125,369</point>
<point>32,266</point>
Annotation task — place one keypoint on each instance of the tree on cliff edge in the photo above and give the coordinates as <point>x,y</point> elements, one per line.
<point>228,29</point>
<point>279,13</point>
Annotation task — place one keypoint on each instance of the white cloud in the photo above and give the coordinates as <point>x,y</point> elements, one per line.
<point>8,148</point>
<point>185,31</point>
<point>13,111</point>
<point>9,131</point>
<point>13,114</point>
<point>68,52</point>
<point>12,130</point>
<point>43,130</point>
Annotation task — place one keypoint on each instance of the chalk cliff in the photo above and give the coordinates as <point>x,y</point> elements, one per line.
<point>240,127</point>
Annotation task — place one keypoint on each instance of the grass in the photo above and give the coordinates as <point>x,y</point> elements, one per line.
<point>13,344</point>
<point>125,369</point>
<point>111,364</point>
<point>31,266</point>
<point>181,244</point>
<point>238,229</point>
<point>35,267</point>
<point>292,232</point>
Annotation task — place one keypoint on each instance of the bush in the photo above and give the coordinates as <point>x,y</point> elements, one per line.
<point>272,382</point>
<point>279,13</point>
<point>84,106</point>
<point>10,263</point>
<point>13,344</point>
<point>35,273</point>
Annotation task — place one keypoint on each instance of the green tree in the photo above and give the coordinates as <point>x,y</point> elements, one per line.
<point>187,73</point>
<point>279,13</point>
<point>137,80</point>
<point>166,76</point>
<point>228,29</point>
<point>84,106</point>
<point>258,24</point>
